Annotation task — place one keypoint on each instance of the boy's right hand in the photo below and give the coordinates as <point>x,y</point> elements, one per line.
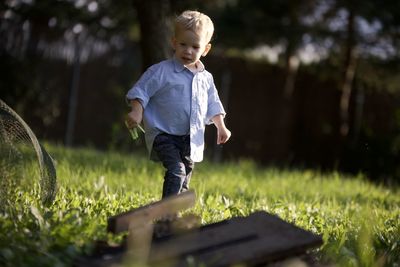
<point>134,118</point>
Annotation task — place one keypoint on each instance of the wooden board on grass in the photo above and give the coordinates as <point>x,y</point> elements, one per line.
<point>256,239</point>
<point>148,213</point>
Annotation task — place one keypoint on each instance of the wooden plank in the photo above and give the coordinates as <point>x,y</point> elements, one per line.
<point>167,228</point>
<point>276,240</point>
<point>257,239</point>
<point>254,252</point>
<point>156,210</point>
<point>210,236</point>
<point>139,243</point>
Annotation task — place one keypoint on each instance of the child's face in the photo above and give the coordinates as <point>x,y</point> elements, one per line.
<point>189,47</point>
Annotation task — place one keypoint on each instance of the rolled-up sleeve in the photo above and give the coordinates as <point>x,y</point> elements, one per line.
<point>215,106</point>
<point>144,88</point>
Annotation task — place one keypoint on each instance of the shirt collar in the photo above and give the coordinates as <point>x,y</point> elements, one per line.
<point>201,66</point>
<point>180,67</point>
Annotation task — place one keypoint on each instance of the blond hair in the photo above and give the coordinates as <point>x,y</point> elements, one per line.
<point>196,22</point>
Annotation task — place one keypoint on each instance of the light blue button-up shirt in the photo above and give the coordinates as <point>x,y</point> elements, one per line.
<point>177,101</point>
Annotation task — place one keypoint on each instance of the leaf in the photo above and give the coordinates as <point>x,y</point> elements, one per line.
<point>36,213</point>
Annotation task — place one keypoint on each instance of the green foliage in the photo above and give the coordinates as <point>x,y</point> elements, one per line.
<point>359,221</point>
<point>33,28</point>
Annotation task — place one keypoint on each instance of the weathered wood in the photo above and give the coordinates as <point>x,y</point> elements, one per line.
<point>202,239</point>
<point>139,244</point>
<point>256,239</point>
<point>156,210</point>
<point>259,238</point>
<point>166,228</point>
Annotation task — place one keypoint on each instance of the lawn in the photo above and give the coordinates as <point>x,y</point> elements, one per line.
<point>359,220</point>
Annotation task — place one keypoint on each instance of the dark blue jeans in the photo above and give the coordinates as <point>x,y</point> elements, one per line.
<point>174,153</point>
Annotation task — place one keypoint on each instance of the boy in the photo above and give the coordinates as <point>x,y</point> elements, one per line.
<point>176,98</point>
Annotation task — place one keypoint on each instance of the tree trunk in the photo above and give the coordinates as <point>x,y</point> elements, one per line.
<point>348,76</point>
<point>155,30</point>
<point>292,65</point>
<point>73,97</point>
<point>291,60</point>
<point>285,124</point>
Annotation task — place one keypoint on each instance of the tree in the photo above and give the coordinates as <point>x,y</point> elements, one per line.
<point>364,34</point>
<point>247,24</point>
<point>34,33</point>
<point>155,30</point>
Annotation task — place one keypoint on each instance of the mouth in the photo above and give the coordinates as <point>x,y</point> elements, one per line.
<point>186,59</point>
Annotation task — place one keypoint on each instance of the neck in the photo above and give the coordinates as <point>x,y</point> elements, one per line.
<point>193,67</point>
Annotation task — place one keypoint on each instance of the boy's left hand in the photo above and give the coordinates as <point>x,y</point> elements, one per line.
<point>223,135</point>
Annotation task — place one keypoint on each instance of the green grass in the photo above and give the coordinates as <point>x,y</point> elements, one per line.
<point>359,220</point>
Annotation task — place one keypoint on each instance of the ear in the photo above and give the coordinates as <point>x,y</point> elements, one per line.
<point>206,49</point>
<point>173,42</point>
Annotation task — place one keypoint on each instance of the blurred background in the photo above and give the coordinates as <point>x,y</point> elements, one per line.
<point>306,84</point>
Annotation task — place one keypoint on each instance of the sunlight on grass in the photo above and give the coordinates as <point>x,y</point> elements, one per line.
<point>358,220</point>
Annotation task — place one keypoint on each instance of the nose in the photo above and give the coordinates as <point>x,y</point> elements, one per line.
<point>188,50</point>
